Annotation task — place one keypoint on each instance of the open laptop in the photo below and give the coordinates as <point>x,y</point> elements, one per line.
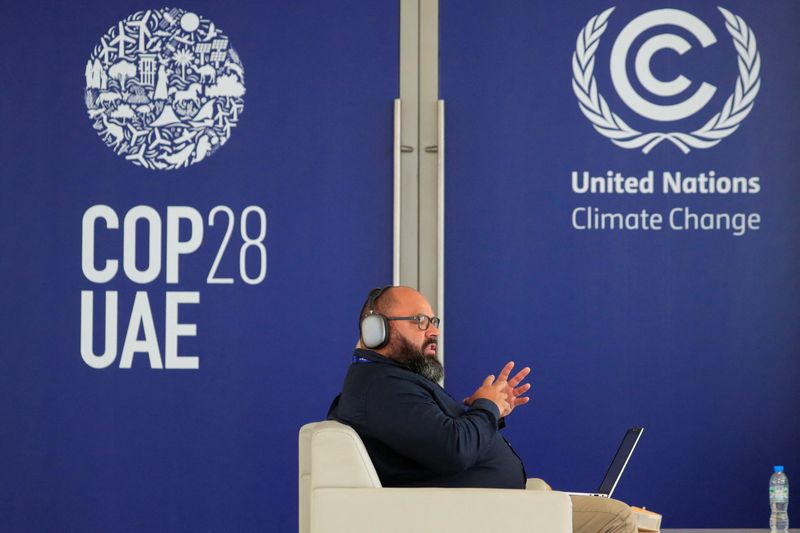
<point>617,466</point>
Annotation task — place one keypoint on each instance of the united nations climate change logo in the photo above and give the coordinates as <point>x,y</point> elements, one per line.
<point>164,88</point>
<point>610,125</point>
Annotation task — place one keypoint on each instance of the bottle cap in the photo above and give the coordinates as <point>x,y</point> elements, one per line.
<point>778,468</point>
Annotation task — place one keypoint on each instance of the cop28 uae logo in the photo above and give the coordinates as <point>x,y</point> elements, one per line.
<point>609,124</point>
<point>164,88</point>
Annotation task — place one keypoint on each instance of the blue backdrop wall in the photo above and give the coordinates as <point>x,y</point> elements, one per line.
<point>690,333</point>
<point>211,449</point>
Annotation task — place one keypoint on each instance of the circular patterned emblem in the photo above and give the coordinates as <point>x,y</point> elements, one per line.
<point>164,88</point>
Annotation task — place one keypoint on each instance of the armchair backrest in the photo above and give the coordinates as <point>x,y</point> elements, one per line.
<point>331,454</point>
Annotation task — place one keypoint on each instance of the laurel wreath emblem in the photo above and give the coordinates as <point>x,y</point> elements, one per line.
<point>610,125</point>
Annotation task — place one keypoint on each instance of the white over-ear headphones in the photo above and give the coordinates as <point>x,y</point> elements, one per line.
<point>375,327</point>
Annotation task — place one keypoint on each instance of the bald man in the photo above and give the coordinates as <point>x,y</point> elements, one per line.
<point>416,434</point>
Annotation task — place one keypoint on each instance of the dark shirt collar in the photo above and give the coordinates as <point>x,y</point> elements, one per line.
<point>374,357</point>
<point>371,356</point>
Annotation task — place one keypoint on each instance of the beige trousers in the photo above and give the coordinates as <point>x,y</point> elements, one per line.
<point>592,514</point>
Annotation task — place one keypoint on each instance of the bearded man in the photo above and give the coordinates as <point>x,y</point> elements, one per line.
<point>416,434</point>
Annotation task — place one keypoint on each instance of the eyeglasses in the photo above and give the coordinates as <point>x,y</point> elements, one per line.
<point>423,321</point>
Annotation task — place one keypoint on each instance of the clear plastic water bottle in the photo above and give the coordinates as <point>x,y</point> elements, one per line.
<point>779,501</point>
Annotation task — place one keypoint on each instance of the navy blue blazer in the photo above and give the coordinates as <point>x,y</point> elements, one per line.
<point>417,435</point>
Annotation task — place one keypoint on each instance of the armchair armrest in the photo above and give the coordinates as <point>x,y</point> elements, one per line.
<point>422,510</point>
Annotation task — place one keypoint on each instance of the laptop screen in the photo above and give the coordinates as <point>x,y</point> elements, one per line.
<point>620,461</point>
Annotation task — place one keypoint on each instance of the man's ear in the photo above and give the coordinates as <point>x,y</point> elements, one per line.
<point>358,344</point>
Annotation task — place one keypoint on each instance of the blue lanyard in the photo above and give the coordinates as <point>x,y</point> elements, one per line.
<point>359,359</point>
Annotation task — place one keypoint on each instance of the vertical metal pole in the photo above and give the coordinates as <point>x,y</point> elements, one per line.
<point>408,191</point>
<point>397,149</point>
<point>431,192</point>
<point>419,161</point>
<point>440,222</point>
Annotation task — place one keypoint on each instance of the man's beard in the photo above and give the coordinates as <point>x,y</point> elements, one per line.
<point>426,366</point>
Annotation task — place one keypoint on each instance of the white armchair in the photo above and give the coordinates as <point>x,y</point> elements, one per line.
<point>340,493</point>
